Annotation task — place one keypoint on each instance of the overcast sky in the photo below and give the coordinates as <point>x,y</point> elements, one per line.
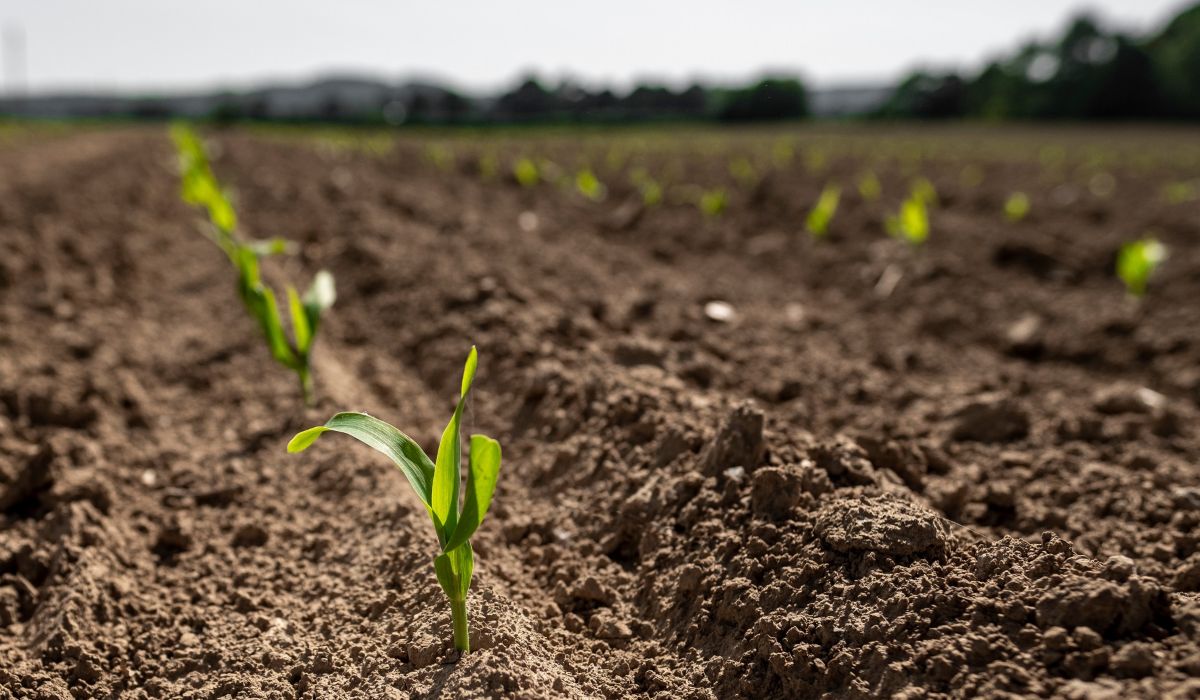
<point>478,45</point>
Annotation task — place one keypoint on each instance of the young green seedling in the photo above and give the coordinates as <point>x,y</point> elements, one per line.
<point>589,185</point>
<point>436,483</point>
<point>1136,263</point>
<point>713,202</point>
<point>525,172</point>
<point>782,154</point>
<point>1016,207</point>
<point>201,188</point>
<point>869,187</point>
<point>821,214</point>
<point>650,189</point>
<point>744,172</point>
<point>912,222</point>
<point>924,190</point>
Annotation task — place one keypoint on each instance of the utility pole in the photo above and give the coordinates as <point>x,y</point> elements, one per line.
<point>12,37</point>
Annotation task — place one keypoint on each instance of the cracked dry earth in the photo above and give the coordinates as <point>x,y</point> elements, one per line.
<point>984,483</point>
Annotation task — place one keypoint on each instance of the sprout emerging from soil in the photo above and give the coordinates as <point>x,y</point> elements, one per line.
<point>912,222</point>
<point>1181,192</point>
<point>650,189</point>
<point>743,171</point>
<point>1016,207</point>
<point>437,485</point>
<point>489,165</point>
<point>1136,263</point>
<point>924,190</point>
<point>441,155</point>
<point>782,153</point>
<point>201,188</point>
<point>869,187</point>
<point>589,185</point>
<point>713,202</point>
<point>818,219</point>
<point>525,172</point>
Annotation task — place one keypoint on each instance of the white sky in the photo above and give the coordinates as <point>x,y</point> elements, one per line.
<point>484,45</point>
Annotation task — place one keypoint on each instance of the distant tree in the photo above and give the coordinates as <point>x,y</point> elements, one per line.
<point>769,99</point>
<point>1175,59</point>
<point>926,96</point>
<point>529,100</point>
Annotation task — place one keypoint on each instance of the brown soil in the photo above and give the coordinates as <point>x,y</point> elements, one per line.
<point>984,483</point>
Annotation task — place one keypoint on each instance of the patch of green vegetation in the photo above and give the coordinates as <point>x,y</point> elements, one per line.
<point>1137,262</point>
<point>822,213</point>
<point>589,185</point>
<point>713,202</point>
<point>200,188</point>
<point>911,223</point>
<point>436,483</point>
<point>526,173</point>
<point>1016,207</point>
<point>869,187</point>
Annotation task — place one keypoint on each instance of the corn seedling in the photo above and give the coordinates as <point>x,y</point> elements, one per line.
<point>743,172</point>
<point>924,190</point>
<point>815,160</point>
<point>589,185</point>
<point>650,189</point>
<point>489,165</point>
<point>1016,207</point>
<point>436,483</point>
<point>440,155</point>
<point>201,188</point>
<point>868,187</point>
<point>782,154</point>
<point>1136,263</point>
<point>1180,192</point>
<point>822,213</point>
<point>912,221</point>
<point>525,172</point>
<point>713,202</point>
<point>652,193</point>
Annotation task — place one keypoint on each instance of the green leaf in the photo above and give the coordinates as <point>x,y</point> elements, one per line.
<point>268,318</point>
<point>914,220</point>
<point>822,213</point>
<point>406,454</point>
<point>481,484</point>
<point>469,371</point>
<point>304,439</point>
<point>447,471</point>
<point>300,328</point>
<point>526,172</point>
<point>1136,263</point>
<point>1016,207</point>
<point>221,212</point>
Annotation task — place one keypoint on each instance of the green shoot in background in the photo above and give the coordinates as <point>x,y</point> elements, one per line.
<point>822,213</point>
<point>489,165</point>
<point>650,189</point>
<point>924,190</point>
<point>1016,207</point>
<point>912,222</point>
<point>869,187</point>
<point>743,171</point>
<point>1136,263</point>
<point>589,185</point>
<point>525,172</point>
<point>201,188</point>
<point>436,483</point>
<point>713,202</point>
